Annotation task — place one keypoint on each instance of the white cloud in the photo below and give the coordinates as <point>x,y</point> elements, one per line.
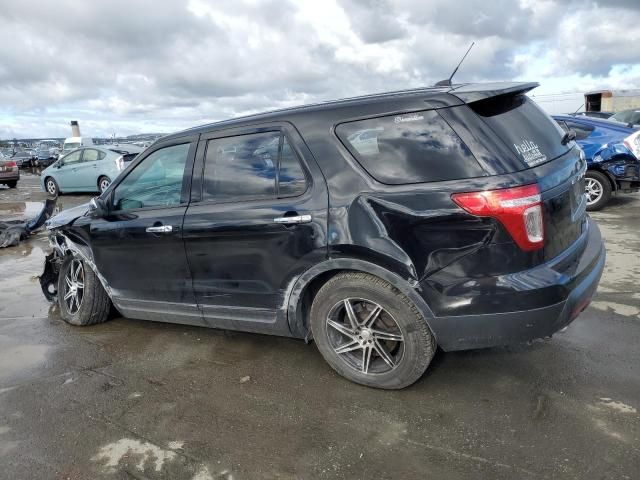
<point>130,66</point>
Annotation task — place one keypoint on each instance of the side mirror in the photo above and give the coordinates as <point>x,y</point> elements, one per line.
<point>98,207</point>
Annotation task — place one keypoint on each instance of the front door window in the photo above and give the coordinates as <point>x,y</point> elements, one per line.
<point>155,182</point>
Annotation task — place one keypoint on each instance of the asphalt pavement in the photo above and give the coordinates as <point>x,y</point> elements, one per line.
<point>143,400</point>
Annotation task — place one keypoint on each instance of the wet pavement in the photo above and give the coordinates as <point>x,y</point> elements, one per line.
<point>133,399</point>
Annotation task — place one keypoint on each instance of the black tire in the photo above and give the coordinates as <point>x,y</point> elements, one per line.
<point>414,353</point>
<point>598,180</point>
<point>94,305</point>
<point>13,184</point>
<point>51,186</point>
<point>103,183</point>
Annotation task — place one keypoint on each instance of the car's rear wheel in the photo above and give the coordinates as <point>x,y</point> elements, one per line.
<point>370,332</point>
<point>597,189</point>
<point>51,186</point>
<point>103,183</point>
<point>81,297</point>
<point>13,184</point>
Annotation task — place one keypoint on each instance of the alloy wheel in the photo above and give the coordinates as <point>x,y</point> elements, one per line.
<point>104,184</point>
<point>593,190</point>
<point>74,286</point>
<point>365,336</point>
<point>51,187</point>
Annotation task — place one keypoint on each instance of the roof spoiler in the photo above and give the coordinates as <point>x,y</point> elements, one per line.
<point>473,92</point>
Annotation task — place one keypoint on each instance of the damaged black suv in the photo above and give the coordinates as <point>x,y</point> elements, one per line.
<point>380,227</point>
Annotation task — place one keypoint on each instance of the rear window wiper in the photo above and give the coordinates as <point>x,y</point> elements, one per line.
<point>568,137</point>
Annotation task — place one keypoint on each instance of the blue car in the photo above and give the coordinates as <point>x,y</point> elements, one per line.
<point>612,152</point>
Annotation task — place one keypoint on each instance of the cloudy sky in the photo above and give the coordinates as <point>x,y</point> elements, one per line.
<point>132,66</point>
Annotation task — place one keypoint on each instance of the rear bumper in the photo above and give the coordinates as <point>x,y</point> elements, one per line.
<point>580,277</point>
<point>9,176</point>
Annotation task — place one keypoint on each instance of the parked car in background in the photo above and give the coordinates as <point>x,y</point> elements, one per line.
<point>457,221</point>
<point>603,115</point>
<point>612,152</point>
<point>44,157</point>
<point>87,169</point>
<point>631,118</point>
<point>9,172</point>
<point>23,159</point>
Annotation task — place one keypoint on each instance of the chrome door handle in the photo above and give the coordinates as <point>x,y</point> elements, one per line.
<point>160,229</point>
<point>293,220</point>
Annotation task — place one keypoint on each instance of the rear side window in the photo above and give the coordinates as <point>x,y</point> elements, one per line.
<point>529,132</point>
<point>253,166</point>
<point>91,155</point>
<point>409,148</point>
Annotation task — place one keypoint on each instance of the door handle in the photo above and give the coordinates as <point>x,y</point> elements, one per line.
<point>160,229</point>
<point>293,219</point>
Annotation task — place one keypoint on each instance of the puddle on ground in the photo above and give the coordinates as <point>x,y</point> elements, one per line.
<point>19,210</point>
<point>18,358</point>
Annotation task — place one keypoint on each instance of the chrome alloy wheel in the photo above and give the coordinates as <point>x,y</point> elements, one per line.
<point>365,336</point>
<point>593,189</point>
<point>74,286</point>
<point>51,187</point>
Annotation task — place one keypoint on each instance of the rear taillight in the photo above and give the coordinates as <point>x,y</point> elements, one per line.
<point>120,163</point>
<point>11,164</point>
<point>519,209</point>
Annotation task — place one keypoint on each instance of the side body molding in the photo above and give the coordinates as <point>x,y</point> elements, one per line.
<point>298,324</point>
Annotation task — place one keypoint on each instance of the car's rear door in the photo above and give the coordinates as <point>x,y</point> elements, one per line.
<point>85,172</point>
<point>138,246</point>
<point>257,220</point>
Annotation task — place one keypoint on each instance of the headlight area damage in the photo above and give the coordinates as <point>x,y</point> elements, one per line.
<point>63,244</point>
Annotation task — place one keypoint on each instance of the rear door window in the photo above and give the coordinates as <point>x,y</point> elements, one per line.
<point>252,166</point>
<point>528,131</point>
<point>409,148</point>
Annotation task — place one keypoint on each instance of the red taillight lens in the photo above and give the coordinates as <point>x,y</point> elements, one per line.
<point>519,209</point>
<point>11,164</point>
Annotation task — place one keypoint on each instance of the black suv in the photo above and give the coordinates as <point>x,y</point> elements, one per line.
<point>380,226</point>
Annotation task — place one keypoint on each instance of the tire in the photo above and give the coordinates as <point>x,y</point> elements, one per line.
<point>51,186</point>
<point>399,317</point>
<point>597,189</point>
<point>92,303</point>
<point>103,183</point>
<point>13,184</point>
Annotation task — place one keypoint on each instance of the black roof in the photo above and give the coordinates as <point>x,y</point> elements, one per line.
<point>467,93</point>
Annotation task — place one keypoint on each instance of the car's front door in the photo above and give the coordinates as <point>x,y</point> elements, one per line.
<point>138,245</point>
<point>66,174</point>
<point>257,220</point>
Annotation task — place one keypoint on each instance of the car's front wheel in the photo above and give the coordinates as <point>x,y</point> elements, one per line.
<point>81,297</point>
<point>597,190</point>
<point>370,332</point>
<point>103,183</point>
<point>51,186</point>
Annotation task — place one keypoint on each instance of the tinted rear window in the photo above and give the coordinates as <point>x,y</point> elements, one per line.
<point>409,148</point>
<point>527,130</point>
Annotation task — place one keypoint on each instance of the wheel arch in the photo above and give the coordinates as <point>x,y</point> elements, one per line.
<point>307,285</point>
<point>610,177</point>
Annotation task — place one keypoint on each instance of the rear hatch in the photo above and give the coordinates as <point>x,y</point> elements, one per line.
<point>537,154</point>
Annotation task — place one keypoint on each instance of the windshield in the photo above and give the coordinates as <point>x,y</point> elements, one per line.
<point>628,116</point>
